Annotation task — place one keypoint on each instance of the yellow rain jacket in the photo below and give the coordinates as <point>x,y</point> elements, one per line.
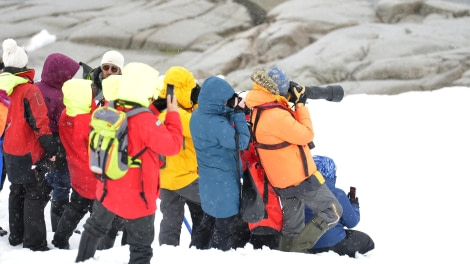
<point>180,170</point>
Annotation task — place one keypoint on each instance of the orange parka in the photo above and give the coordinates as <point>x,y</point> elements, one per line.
<point>285,166</point>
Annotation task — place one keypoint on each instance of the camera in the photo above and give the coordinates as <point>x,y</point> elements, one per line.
<point>234,102</point>
<point>332,93</point>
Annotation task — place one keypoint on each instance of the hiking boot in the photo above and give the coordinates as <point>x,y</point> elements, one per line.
<point>40,248</point>
<point>309,236</point>
<point>58,245</point>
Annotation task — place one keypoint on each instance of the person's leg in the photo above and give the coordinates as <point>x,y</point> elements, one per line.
<point>240,233</point>
<point>172,209</point>
<point>321,200</point>
<point>292,221</point>
<point>96,227</point>
<point>34,224</point>
<point>202,235</point>
<point>140,235</point>
<point>108,240</point>
<point>60,195</point>
<point>16,214</point>
<point>355,241</point>
<point>73,214</point>
<point>222,237</point>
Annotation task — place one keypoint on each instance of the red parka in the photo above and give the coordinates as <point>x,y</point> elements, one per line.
<point>123,196</point>
<point>27,133</point>
<point>73,132</point>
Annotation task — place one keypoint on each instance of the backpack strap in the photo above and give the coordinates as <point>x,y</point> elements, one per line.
<point>284,144</point>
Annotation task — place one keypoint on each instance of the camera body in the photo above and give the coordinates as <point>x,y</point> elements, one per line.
<point>332,93</point>
<point>234,102</point>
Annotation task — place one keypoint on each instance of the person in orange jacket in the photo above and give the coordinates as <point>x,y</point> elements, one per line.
<point>284,135</point>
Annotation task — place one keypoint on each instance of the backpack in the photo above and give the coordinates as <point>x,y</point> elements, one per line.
<point>260,206</point>
<point>108,142</point>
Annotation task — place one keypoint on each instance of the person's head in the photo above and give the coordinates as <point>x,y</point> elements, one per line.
<point>137,83</point>
<point>327,167</point>
<point>112,63</point>
<point>77,96</point>
<point>183,81</point>
<point>13,55</point>
<point>280,77</point>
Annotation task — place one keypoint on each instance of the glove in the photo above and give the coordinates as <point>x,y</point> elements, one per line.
<point>238,109</point>
<point>195,94</point>
<point>297,93</point>
<point>160,104</point>
<point>353,200</point>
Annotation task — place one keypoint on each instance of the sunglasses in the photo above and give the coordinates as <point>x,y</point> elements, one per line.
<point>106,67</point>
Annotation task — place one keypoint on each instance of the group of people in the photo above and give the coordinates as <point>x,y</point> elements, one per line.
<point>192,140</point>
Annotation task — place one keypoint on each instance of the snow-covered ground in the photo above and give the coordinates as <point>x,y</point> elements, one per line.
<point>407,156</point>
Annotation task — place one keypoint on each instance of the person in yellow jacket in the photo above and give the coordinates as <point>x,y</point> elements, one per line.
<point>282,141</point>
<point>179,174</point>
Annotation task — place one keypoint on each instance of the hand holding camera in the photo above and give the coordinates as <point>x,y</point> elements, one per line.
<point>352,196</point>
<point>297,94</point>
<point>237,103</point>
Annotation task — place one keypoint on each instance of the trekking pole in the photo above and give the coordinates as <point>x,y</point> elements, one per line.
<point>188,226</point>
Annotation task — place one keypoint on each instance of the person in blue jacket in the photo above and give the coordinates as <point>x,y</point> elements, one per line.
<point>340,238</point>
<point>219,130</point>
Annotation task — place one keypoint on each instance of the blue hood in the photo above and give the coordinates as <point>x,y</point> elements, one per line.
<point>214,94</point>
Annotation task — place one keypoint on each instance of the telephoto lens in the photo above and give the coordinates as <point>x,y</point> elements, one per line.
<point>332,93</point>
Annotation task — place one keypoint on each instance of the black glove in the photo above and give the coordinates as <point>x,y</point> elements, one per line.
<point>353,200</point>
<point>195,94</point>
<point>160,104</point>
<point>297,93</point>
<point>238,109</point>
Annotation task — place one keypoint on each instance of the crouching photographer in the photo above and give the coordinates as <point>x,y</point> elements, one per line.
<point>282,137</point>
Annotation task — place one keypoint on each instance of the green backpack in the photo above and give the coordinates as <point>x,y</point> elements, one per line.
<point>108,142</point>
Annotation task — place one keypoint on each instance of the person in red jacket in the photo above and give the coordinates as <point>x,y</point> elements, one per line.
<point>27,144</point>
<point>74,127</point>
<point>133,197</point>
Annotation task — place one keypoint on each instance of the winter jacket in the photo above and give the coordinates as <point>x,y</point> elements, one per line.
<point>284,166</point>
<point>27,135</point>
<point>74,127</point>
<point>349,219</point>
<point>218,135</point>
<point>134,195</point>
<point>180,170</point>
<point>57,69</point>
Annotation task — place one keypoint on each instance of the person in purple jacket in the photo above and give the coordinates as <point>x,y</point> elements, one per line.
<point>340,238</point>
<point>58,68</point>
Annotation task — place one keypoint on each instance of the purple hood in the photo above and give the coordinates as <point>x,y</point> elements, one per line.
<point>57,69</point>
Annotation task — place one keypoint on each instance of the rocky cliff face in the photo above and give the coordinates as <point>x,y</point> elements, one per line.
<point>388,48</point>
